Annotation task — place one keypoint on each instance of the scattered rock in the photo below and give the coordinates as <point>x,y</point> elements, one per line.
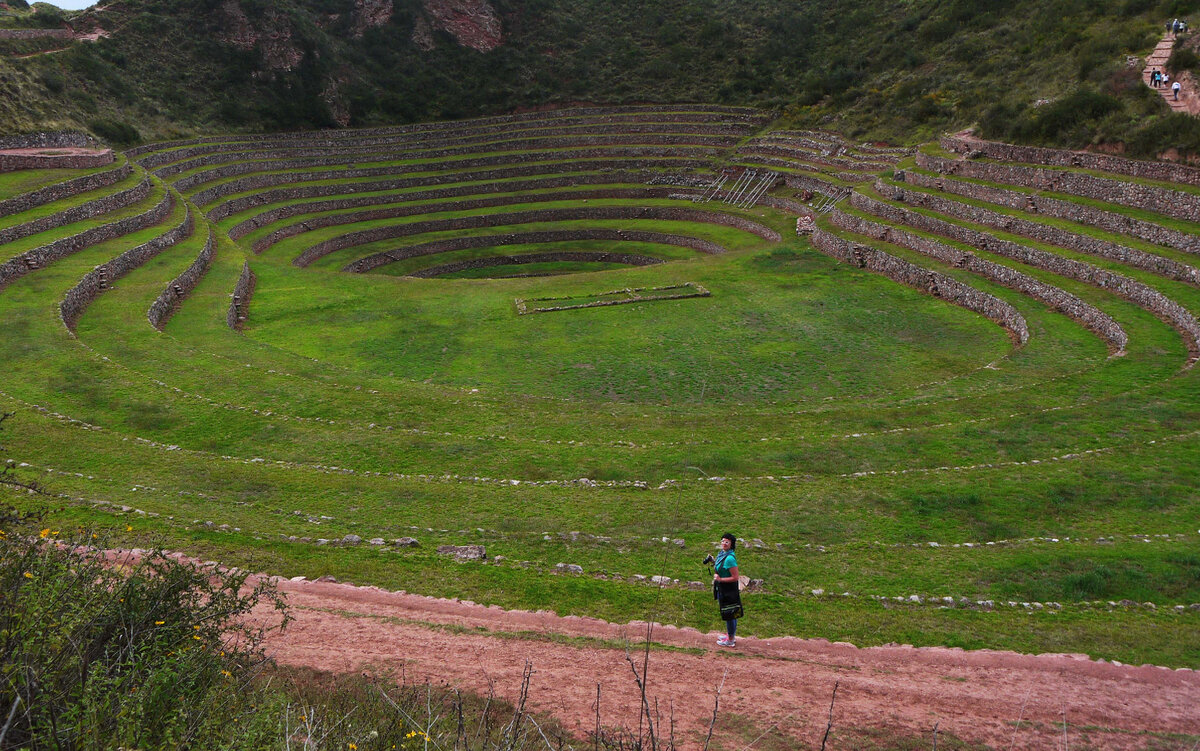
<point>406,542</point>
<point>568,568</point>
<point>351,540</point>
<point>464,552</point>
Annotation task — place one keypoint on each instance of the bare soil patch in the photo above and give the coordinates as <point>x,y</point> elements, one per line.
<point>999,699</point>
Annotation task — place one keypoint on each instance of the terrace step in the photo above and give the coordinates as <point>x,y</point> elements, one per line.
<point>1138,293</point>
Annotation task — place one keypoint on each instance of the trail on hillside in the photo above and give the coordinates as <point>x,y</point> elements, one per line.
<point>1000,699</point>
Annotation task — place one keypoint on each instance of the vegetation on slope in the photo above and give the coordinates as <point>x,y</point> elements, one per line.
<point>901,71</point>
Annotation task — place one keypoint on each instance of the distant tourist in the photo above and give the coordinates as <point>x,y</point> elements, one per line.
<point>1175,89</point>
<point>726,589</point>
<point>1155,78</point>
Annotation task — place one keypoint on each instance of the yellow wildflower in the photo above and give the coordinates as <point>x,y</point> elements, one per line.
<point>159,623</point>
<point>45,533</point>
<point>28,575</point>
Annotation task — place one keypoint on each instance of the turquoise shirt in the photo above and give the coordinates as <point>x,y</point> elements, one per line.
<point>725,562</point>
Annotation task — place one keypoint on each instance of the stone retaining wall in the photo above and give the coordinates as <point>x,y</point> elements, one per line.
<point>62,139</point>
<point>924,280</point>
<point>239,304</point>
<point>280,213</point>
<point>396,212</point>
<point>36,34</point>
<point>1089,316</point>
<point>528,238</point>
<point>89,210</point>
<point>1149,170</point>
<point>1110,221</point>
<point>98,279</point>
<point>169,301</point>
<point>628,259</point>
<point>66,189</point>
<point>566,155</point>
<point>181,160</point>
<point>1139,294</point>
<point>39,257</point>
<point>1044,233</point>
<point>651,113</point>
<point>850,177</point>
<point>812,157</point>
<point>816,185</point>
<point>15,162</point>
<point>233,206</point>
<point>1174,203</point>
<point>579,213</point>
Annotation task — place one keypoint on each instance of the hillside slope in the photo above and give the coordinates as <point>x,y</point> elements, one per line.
<point>901,71</point>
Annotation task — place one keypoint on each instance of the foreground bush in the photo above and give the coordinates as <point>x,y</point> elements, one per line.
<point>154,653</point>
<point>98,655</point>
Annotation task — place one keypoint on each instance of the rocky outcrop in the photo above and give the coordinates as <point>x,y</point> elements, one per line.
<point>273,40</point>
<point>472,23</point>
<point>371,13</point>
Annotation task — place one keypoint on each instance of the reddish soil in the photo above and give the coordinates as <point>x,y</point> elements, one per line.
<point>999,699</point>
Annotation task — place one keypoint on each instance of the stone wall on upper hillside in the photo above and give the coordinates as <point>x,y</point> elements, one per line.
<point>1033,203</point>
<point>1150,170</point>
<point>1044,233</point>
<point>64,139</point>
<point>1173,203</point>
<point>36,34</point>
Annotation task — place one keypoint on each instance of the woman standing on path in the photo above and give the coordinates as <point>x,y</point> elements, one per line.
<point>725,589</point>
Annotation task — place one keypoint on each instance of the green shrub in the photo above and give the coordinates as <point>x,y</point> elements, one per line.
<point>96,656</point>
<point>1183,58</point>
<point>115,132</point>
<point>53,81</point>
<point>48,16</point>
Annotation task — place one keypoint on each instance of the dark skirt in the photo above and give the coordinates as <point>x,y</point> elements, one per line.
<point>729,599</point>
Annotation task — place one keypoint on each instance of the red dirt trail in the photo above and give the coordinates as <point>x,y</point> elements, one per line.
<point>784,683</point>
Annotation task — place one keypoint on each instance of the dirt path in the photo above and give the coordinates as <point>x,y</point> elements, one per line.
<point>785,682</point>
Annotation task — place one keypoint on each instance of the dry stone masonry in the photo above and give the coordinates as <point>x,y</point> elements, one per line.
<point>924,280</point>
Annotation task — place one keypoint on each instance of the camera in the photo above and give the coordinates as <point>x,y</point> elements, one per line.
<point>708,559</point>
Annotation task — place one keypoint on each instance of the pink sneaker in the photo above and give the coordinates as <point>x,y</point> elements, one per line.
<point>725,641</point>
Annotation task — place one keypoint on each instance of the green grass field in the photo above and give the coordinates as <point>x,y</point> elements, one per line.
<point>878,442</point>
